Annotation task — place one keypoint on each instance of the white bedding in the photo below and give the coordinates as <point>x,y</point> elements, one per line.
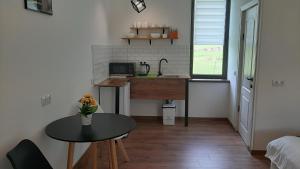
<point>285,152</point>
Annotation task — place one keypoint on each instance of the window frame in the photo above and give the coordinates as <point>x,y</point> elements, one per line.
<point>225,47</point>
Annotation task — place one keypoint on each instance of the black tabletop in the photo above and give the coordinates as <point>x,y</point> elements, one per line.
<point>104,126</point>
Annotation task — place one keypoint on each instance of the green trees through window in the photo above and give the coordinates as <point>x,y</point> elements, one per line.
<point>209,38</point>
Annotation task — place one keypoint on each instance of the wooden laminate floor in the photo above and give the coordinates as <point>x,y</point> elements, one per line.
<point>205,144</point>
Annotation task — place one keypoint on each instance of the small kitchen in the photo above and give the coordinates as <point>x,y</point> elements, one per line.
<point>169,56</point>
<point>142,85</point>
<point>107,84</point>
<point>156,84</point>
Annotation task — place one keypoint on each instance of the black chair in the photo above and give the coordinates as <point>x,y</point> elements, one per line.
<point>26,155</point>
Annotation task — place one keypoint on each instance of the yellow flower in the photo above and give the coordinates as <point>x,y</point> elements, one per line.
<point>93,102</point>
<point>88,99</point>
<point>84,101</point>
<point>88,95</point>
<point>81,100</point>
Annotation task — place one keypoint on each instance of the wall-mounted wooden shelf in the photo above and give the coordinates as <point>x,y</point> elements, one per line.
<point>150,28</point>
<point>149,39</point>
<point>164,30</point>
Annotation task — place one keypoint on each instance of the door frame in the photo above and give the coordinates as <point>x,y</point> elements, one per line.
<point>240,61</point>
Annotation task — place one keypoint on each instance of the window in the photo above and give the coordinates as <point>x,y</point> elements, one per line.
<point>209,44</point>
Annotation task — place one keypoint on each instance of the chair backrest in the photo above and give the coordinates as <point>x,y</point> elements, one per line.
<point>99,110</point>
<point>26,155</point>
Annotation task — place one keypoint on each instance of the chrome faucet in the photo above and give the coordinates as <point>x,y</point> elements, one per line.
<point>159,66</point>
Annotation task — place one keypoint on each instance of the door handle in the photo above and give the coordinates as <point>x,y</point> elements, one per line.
<point>250,79</point>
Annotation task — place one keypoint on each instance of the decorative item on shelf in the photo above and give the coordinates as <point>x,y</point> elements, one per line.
<point>151,33</point>
<point>143,36</point>
<point>155,35</point>
<point>173,34</point>
<point>164,36</point>
<point>131,35</point>
<point>136,25</point>
<point>154,25</point>
<point>145,24</point>
<point>138,5</point>
<point>88,106</point>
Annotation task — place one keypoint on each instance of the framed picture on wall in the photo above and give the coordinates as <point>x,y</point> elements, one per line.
<point>43,6</point>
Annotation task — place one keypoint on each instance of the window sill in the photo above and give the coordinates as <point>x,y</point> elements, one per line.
<point>210,80</point>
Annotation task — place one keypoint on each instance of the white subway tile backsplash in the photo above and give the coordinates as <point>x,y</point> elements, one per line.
<point>101,58</point>
<point>177,55</point>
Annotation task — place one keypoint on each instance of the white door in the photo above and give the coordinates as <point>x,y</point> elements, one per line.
<point>250,29</point>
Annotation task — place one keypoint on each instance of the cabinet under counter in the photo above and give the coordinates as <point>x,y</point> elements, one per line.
<point>157,88</point>
<point>167,87</point>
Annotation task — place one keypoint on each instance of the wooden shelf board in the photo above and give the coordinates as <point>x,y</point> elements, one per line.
<point>112,83</point>
<point>148,38</point>
<point>150,28</point>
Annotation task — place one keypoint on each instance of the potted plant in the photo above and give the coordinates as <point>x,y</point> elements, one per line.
<point>88,106</point>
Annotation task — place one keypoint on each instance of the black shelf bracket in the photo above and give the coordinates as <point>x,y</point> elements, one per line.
<point>150,41</point>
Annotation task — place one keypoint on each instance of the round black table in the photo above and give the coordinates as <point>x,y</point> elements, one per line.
<point>105,126</point>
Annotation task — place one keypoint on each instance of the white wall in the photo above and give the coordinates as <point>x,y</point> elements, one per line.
<point>41,54</point>
<point>177,14</point>
<point>174,13</point>
<point>277,108</point>
<point>209,100</point>
<point>233,57</point>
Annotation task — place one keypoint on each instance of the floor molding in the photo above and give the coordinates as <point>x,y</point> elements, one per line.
<point>181,118</point>
<point>236,129</point>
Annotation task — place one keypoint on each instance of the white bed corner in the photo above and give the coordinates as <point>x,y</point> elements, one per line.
<point>284,153</point>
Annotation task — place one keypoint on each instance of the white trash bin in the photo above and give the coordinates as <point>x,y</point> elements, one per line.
<point>169,111</point>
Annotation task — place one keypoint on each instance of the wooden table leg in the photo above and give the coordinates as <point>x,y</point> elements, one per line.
<point>122,148</point>
<point>70,155</point>
<point>109,155</point>
<point>113,154</point>
<point>94,155</point>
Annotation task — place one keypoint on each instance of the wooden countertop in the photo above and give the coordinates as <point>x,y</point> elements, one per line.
<point>162,77</point>
<point>113,82</point>
<point>120,82</point>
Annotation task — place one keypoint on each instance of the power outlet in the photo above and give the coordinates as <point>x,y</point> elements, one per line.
<point>46,100</point>
<point>278,83</point>
<point>43,101</point>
